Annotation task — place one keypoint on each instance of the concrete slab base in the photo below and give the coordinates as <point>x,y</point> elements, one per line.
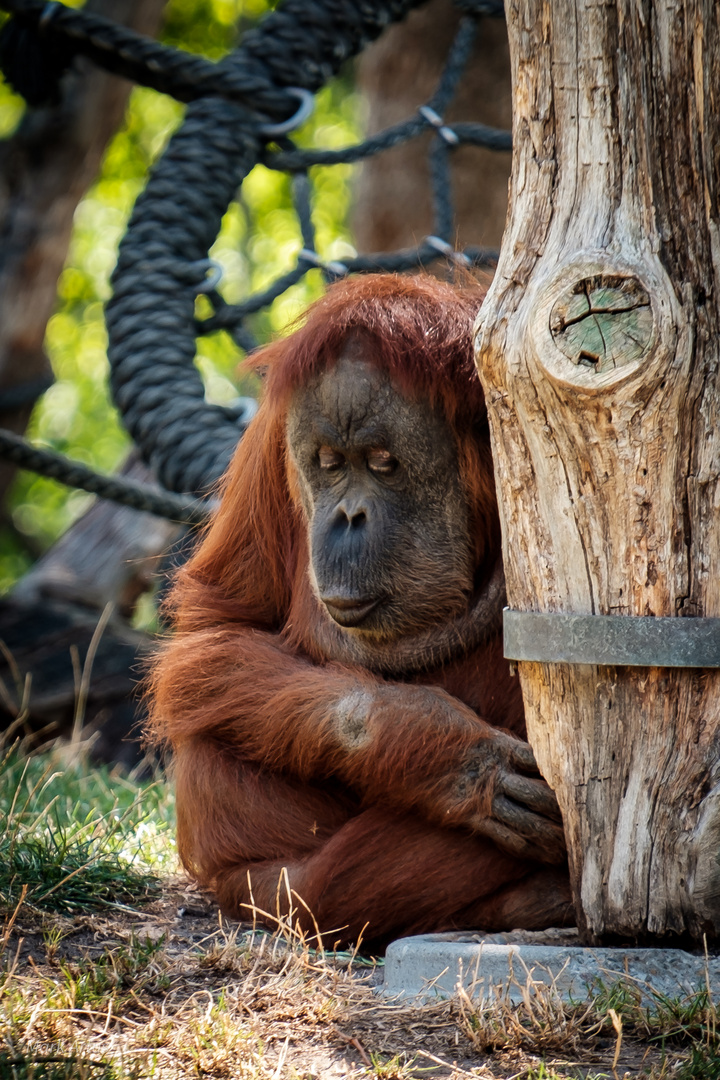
<point>487,965</point>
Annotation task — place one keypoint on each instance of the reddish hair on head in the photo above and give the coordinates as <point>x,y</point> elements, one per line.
<point>420,329</point>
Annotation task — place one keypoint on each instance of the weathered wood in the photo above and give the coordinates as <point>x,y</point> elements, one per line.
<point>605,415</point>
<point>43,654</point>
<point>396,75</point>
<point>45,169</point>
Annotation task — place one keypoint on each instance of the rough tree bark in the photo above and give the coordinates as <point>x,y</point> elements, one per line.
<point>598,347</point>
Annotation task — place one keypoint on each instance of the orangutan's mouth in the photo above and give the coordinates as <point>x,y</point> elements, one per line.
<point>349,611</point>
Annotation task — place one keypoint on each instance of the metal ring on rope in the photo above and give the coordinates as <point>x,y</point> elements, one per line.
<point>304,112</point>
<point>50,10</point>
<point>215,275</point>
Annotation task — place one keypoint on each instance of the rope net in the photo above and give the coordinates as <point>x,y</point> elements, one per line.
<point>242,112</point>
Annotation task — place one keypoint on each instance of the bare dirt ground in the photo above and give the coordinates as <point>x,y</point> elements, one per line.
<point>174,990</point>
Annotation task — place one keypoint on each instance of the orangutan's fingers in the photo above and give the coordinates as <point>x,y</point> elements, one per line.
<point>532,793</point>
<point>524,847</point>
<point>522,757</point>
<point>543,837</point>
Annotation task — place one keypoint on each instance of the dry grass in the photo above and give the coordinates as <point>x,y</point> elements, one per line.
<point>159,986</point>
<point>160,994</point>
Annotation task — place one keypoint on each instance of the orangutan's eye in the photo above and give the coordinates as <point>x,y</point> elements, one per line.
<point>381,461</point>
<point>330,459</point>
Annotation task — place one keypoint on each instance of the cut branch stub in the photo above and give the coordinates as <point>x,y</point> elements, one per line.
<point>603,322</point>
<point>597,322</point>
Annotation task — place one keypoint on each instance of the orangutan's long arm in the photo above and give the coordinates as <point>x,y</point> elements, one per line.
<point>412,748</point>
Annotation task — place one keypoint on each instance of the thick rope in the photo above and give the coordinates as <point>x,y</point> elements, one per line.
<point>163,260</point>
<point>120,490</point>
<point>151,319</point>
<point>60,33</point>
<point>474,134</point>
<point>230,316</point>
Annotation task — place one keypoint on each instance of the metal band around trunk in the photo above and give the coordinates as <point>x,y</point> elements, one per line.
<point>614,640</point>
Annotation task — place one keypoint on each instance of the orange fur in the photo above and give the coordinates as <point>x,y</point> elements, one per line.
<point>285,760</point>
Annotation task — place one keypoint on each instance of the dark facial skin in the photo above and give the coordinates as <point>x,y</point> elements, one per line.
<point>390,562</point>
<point>387,516</point>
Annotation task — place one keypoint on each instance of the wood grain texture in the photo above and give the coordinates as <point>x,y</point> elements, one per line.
<point>110,555</point>
<point>608,469</point>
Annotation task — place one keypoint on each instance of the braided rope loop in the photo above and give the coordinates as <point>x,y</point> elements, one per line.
<point>151,319</point>
<point>239,104</point>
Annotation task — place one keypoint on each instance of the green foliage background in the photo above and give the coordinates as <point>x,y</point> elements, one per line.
<point>259,240</point>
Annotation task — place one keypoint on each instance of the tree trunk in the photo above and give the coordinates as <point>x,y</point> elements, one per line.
<point>45,169</point>
<point>598,347</point>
